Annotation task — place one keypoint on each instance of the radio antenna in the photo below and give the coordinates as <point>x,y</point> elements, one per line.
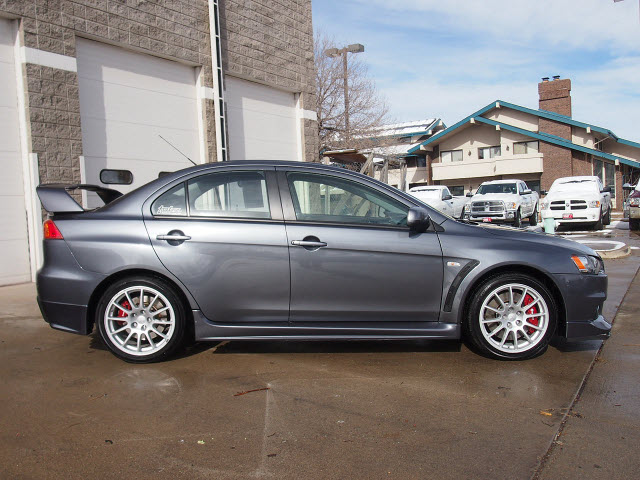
<point>176,149</point>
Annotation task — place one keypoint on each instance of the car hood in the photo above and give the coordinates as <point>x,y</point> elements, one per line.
<point>572,195</point>
<point>505,197</point>
<point>537,237</point>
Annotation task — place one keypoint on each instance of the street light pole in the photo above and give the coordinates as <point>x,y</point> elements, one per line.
<point>335,52</point>
<point>346,97</point>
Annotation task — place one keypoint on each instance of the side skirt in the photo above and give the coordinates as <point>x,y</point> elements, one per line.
<point>205,330</point>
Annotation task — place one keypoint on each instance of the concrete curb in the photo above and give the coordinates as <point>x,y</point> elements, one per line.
<point>618,253</point>
<point>621,251</point>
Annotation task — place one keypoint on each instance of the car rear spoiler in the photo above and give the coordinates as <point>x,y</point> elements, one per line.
<point>55,197</point>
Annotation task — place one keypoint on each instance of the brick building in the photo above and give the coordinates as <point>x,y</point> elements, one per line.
<point>93,88</point>
<point>503,140</point>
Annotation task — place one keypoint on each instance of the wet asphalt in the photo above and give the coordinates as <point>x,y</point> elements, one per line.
<point>322,410</point>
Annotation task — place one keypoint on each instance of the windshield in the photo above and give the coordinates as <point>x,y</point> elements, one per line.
<point>573,186</point>
<point>427,193</point>
<point>497,188</point>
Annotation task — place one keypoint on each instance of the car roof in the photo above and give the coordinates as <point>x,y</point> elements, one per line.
<point>502,181</point>
<point>592,178</point>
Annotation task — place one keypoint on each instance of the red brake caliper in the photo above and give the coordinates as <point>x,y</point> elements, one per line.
<point>122,313</point>
<point>528,299</point>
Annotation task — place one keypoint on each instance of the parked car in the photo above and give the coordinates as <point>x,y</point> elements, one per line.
<point>287,250</point>
<point>583,200</point>
<point>503,201</point>
<point>633,205</point>
<point>440,198</point>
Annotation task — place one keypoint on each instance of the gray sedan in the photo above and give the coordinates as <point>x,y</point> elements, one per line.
<point>286,250</point>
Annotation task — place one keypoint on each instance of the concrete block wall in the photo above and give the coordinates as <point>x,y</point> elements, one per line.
<point>265,41</point>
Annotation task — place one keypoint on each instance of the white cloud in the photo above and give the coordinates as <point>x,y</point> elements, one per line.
<point>583,24</point>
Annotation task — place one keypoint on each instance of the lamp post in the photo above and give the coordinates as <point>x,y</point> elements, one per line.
<point>335,52</point>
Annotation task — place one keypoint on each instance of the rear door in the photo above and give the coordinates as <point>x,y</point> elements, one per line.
<point>353,258</point>
<point>221,233</point>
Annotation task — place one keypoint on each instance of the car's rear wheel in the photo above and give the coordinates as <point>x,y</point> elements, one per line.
<point>141,319</point>
<point>533,219</point>
<point>511,317</point>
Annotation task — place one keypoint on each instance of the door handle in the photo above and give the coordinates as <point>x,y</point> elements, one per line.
<point>308,243</point>
<point>173,237</point>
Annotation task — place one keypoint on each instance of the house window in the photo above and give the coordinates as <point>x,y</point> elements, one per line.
<point>606,172</point>
<point>422,162</point>
<point>457,191</point>
<point>489,152</point>
<point>521,148</point>
<point>452,156</point>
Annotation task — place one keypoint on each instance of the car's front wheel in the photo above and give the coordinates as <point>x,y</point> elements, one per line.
<point>533,219</point>
<point>511,317</point>
<point>599,224</point>
<point>141,319</point>
<point>517,219</point>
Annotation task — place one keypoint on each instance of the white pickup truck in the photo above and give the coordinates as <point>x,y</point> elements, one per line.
<point>503,201</point>
<point>440,198</point>
<point>578,200</point>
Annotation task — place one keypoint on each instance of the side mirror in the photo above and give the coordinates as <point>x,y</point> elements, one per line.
<point>543,192</point>
<point>607,189</point>
<point>628,186</point>
<point>447,197</point>
<point>525,192</point>
<point>418,219</point>
<point>469,194</point>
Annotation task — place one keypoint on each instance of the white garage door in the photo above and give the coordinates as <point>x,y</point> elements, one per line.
<point>261,122</point>
<point>127,101</point>
<point>14,243</point>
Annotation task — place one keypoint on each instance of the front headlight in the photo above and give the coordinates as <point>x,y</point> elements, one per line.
<point>594,203</point>
<point>588,264</point>
<point>511,205</point>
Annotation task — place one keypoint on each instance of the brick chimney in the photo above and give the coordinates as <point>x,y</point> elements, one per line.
<point>555,95</point>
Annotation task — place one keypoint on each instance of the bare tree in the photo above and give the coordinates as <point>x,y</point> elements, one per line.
<point>368,110</point>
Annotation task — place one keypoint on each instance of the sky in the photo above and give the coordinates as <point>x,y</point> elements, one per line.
<point>449,58</point>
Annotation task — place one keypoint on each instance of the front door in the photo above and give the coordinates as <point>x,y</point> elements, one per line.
<point>222,235</point>
<point>353,258</point>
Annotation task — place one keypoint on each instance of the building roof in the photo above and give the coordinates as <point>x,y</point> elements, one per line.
<point>553,139</point>
<point>418,127</point>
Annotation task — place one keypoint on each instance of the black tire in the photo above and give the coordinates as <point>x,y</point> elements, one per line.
<point>533,219</point>
<point>607,217</point>
<point>483,337</point>
<point>165,330</point>
<point>517,219</point>
<point>599,224</point>
<point>634,224</point>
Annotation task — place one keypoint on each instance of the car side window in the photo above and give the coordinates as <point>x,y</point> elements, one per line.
<point>324,198</point>
<point>172,203</point>
<point>240,194</point>
<point>445,192</point>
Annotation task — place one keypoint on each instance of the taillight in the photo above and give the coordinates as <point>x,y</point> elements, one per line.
<point>51,232</point>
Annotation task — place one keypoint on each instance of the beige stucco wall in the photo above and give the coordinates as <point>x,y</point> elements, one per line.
<point>516,118</point>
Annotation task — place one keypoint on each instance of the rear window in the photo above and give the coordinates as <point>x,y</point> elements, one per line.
<point>172,203</point>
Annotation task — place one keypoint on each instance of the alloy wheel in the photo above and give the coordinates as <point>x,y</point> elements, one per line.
<point>514,318</point>
<point>139,320</point>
